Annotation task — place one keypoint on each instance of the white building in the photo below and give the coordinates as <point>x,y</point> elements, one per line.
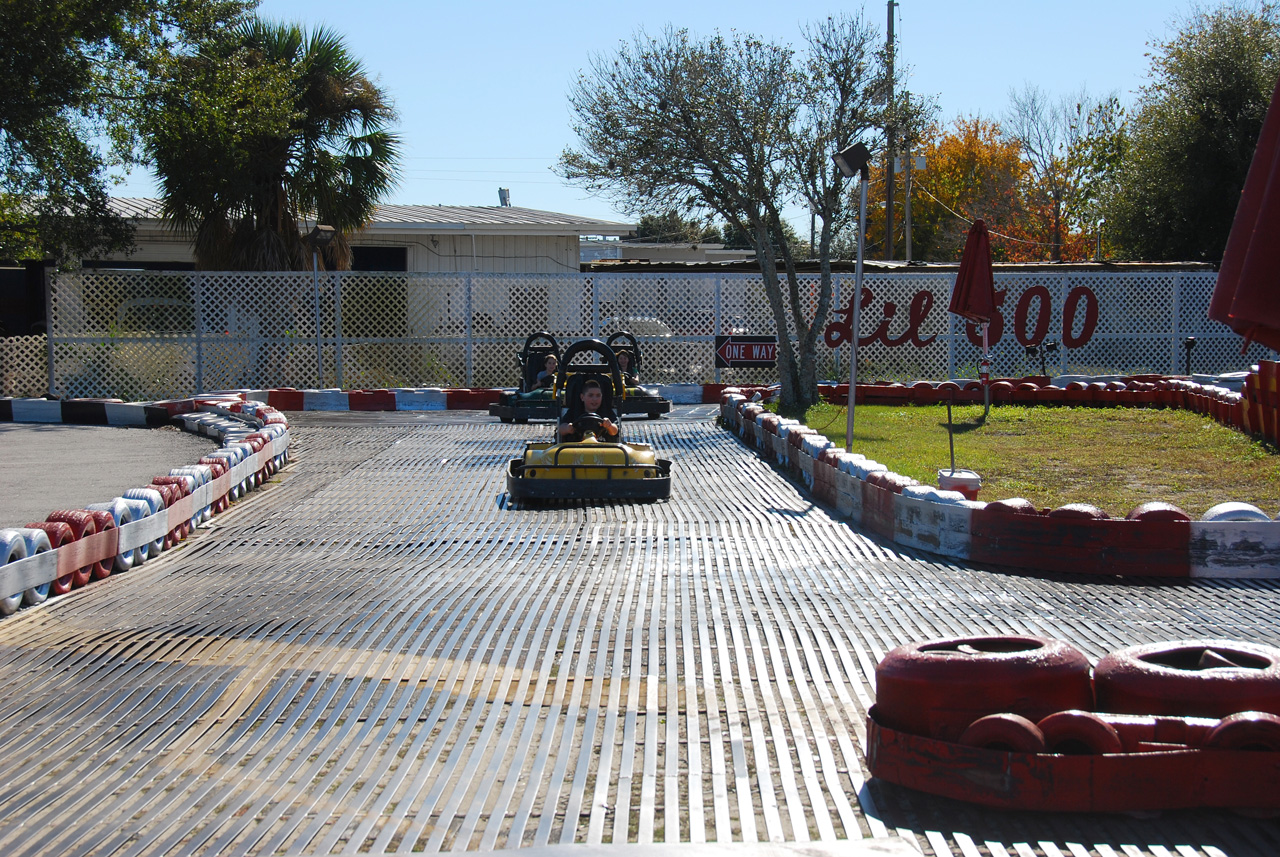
<point>425,238</point>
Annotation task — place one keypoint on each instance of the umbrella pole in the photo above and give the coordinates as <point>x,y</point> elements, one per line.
<point>855,316</point>
<point>951,438</point>
<point>986,382</point>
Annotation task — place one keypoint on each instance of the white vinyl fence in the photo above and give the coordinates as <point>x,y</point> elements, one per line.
<point>147,335</point>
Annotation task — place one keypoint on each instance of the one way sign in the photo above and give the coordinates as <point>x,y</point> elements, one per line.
<point>746,352</point>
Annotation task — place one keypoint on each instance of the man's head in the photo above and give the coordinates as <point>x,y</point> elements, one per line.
<point>592,396</point>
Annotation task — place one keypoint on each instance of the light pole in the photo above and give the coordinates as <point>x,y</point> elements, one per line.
<point>318,238</point>
<point>853,159</point>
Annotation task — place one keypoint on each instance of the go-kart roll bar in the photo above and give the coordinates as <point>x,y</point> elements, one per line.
<point>610,362</point>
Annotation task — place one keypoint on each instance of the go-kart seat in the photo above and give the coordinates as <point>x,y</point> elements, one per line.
<point>573,398</point>
<point>535,359</point>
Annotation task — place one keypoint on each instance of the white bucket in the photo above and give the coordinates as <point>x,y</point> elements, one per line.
<point>966,482</point>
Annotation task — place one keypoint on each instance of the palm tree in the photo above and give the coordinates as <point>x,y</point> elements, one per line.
<point>265,129</point>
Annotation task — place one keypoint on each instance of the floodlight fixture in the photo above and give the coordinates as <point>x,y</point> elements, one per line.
<point>853,160</point>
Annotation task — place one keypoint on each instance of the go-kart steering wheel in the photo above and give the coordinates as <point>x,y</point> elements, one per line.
<point>588,423</point>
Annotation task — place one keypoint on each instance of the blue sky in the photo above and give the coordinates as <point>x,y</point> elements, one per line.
<point>481,89</point>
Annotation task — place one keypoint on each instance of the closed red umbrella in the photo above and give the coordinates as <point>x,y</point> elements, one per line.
<point>1247,295</point>
<point>974,294</point>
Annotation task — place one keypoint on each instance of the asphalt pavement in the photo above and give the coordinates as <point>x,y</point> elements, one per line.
<point>47,467</point>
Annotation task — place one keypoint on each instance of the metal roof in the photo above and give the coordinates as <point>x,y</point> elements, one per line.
<point>462,218</point>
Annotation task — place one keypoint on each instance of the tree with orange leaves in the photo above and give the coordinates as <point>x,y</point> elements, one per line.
<point>972,171</point>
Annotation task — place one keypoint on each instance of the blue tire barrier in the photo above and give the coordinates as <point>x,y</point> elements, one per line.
<point>121,514</point>
<point>1234,511</point>
<point>12,548</point>
<point>37,541</point>
<point>203,475</point>
<point>155,502</point>
<point>139,509</point>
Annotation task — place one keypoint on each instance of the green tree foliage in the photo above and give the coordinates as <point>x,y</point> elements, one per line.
<point>1066,143</point>
<point>1193,135</point>
<point>671,228</point>
<point>714,124</point>
<point>75,73</point>
<point>262,130</point>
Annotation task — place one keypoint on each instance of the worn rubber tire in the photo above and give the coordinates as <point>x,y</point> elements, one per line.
<point>12,549</point>
<point>82,524</point>
<point>59,534</point>
<point>1011,733</point>
<point>937,688</point>
<point>1246,730</point>
<point>37,542</point>
<point>104,522</point>
<point>1079,733</point>
<point>1190,678</point>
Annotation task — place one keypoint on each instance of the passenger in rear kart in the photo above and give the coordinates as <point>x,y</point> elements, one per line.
<point>547,377</point>
<point>624,365</point>
<point>592,398</point>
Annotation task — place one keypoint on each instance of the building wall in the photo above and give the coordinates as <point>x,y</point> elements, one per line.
<point>495,254</point>
<point>435,253</point>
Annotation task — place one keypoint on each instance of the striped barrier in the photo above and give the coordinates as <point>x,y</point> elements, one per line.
<point>1232,540</point>
<point>73,547</point>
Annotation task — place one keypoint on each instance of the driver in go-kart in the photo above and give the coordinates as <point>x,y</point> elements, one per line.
<point>592,398</point>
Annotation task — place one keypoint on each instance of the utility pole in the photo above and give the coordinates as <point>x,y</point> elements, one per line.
<point>909,157</point>
<point>891,140</point>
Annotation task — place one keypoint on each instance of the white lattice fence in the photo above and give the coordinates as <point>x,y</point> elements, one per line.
<point>24,365</point>
<point>137,335</point>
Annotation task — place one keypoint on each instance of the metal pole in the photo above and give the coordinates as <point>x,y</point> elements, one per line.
<point>891,152</point>
<point>468,349</point>
<point>47,276</point>
<point>906,202</point>
<point>337,327</point>
<point>315,287</point>
<point>718,325</point>
<point>199,320</point>
<point>856,316</point>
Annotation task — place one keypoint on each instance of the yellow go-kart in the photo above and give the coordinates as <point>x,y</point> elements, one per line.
<point>592,464</point>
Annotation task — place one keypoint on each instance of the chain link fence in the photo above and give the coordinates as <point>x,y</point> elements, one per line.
<point>147,335</point>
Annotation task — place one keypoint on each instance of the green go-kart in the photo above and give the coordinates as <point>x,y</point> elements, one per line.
<point>639,399</point>
<point>531,400</point>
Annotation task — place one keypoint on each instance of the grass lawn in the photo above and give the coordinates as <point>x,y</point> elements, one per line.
<point>1113,458</point>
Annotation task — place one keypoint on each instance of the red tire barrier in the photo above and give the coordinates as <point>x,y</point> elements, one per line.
<point>1011,733</point>
<point>1012,506</point>
<point>1079,512</point>
<point>938,687</point>
<point>104,522</point>
<point>59,534</point>
<point>81,524</point>
<point>1246,730</point>
<point>170,494</point>
<point>1079,733</point>
<point>182,486</point>
<point>890,481</point>
<point>1002,391</point>
<point>1196,678</point>
<point>1158,511</point>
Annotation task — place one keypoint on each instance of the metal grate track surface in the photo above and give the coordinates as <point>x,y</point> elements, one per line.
<point>379,654</point>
